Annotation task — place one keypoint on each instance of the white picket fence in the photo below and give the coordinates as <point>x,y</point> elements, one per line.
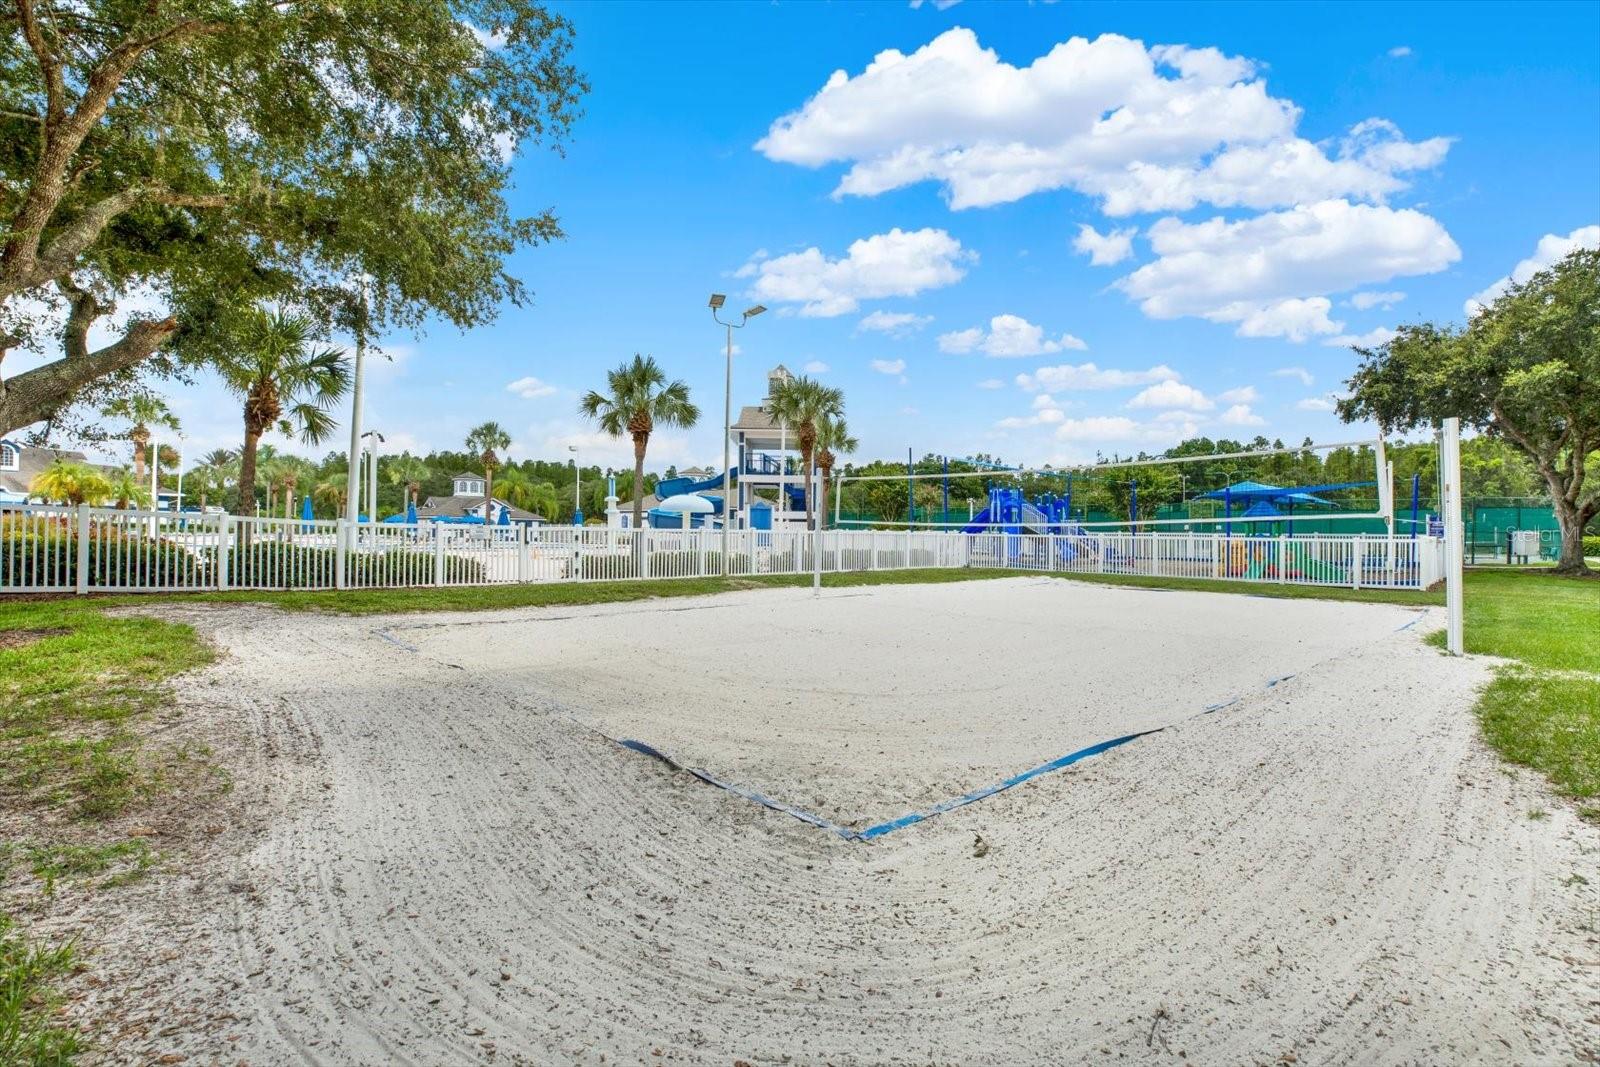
<point>83,549</point>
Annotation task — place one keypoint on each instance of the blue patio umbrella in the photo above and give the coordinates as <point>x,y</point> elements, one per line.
<point>411,512</point>
<point>305,512</point>
<point>505,516</point>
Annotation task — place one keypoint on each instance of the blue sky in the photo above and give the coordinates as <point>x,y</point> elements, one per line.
<point>1240,195</point>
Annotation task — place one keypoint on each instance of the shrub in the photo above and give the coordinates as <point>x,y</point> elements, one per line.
<point>49,557</point>
<point>274,564</point>
<point>1591,546</point>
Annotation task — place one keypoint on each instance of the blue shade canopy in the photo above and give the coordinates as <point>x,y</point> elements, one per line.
<point>1261,493</point>
<point>411,512</point>
<point>305,509</point>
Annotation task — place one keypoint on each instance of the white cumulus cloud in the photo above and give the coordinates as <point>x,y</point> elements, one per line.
<point>530,388</point>
<point>1104,249</point>
<point>1245,394</point>
<point>1299,374</point>
<point>1550,249</point>
<point>1089,376</point>
<point>898,263</point>
<point>1367,300</point>
<point>893,323</point>
<point>1241,415</point>
<point>1315,403</point>
<point>992,383</point>
<point>1371,339</point>
<point>816,366</point>
<point>1267,273</point>
<point>1046,412</point>
<point>1159,128</point>
<point>1008,336</point>
<point>1119,428</point>
<point>889,366</point>
<point>1172,394</point>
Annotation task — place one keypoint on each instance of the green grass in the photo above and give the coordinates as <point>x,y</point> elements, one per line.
<point>1533,616</point>
<point>1544,711</point>
<point>1550,722</point>
<point>69,699</point>
<point>122,862</point>
<point>74,684</point>
<point>29,974</point>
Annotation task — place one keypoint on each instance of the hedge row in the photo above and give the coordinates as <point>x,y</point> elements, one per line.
<point>286,566</point>
<point>115,560</point>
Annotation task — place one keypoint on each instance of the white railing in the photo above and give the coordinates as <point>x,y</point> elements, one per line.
<point>83,549</point>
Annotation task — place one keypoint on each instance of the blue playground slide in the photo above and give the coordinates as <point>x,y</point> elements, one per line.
<point>678,486</point>
<point>1027,519</point>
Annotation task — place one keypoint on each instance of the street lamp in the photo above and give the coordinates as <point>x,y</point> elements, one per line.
<point>372,473</point>
<point>353,477</point>
<point>715,303</point>
<point>577,484</point>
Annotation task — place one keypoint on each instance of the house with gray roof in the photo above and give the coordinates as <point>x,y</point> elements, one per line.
<point>466,498</point>
<point>20,464</point>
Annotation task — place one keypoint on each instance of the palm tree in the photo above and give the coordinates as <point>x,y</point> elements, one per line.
<point>73,483</point>
<point>805,403</point>
<point>285,382</point>
<point>128,488</point>
<point>409,471</point>
<point>488,438</point>
<point>640,399</point>
<point>330,493</point>
<point>832,433</point>
<point>269,475</point>
<point>212,472</point>
<point>203,481</point>
<point>516,487</point>
<point>292,471</point>
<point>143,410</point>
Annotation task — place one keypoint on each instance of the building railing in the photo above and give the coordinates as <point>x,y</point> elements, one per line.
<point>84,549</point>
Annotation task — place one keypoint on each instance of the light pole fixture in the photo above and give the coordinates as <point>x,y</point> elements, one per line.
<point>715,303</point>
<point>352,483</point>
<point>577,483</point>
<point>372,473</point>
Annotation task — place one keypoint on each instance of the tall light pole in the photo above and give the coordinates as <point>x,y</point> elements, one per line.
<point>372,473</point>
<point>715,303</point>
<point>577,487</point>
<point>352,495</point>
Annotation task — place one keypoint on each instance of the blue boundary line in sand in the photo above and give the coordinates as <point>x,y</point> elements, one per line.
<point>878,830</point>
<point>912,818</point>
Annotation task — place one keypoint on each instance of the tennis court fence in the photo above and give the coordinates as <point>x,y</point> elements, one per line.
<point>66,549</point>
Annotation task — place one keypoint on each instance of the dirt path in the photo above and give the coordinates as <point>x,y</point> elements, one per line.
<point>446,868</point>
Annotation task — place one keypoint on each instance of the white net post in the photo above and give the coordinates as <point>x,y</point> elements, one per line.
<point>821,509</point>
<point>1450,478</point>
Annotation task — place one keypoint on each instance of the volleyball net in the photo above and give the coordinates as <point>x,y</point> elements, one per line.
<point>1344,487</point>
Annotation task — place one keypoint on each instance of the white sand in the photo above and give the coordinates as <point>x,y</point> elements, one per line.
<point>864,703</point>
<point>453,870</point>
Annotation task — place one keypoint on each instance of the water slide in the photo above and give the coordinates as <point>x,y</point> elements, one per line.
<point>678,486</point>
